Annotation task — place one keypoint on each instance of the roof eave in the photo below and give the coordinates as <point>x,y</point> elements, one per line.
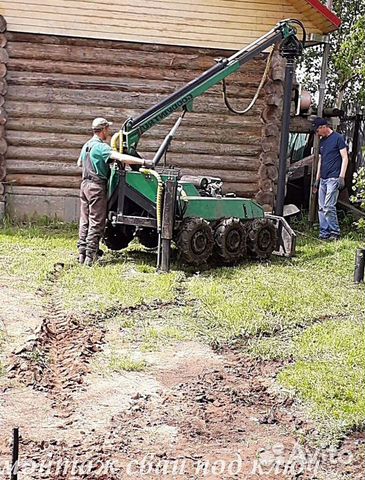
<point>331,21</point>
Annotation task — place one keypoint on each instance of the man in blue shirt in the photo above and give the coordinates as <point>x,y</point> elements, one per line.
<point>330,179</point>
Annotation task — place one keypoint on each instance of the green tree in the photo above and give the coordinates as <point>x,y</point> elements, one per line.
<point>346,68</point>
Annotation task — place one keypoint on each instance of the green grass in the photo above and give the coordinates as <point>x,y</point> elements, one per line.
<point>262,299</point>
<point>329,374</point>
<point>28,254</point>
<point>117,284</point>
<point>124,363</point>
<point>306,309</point>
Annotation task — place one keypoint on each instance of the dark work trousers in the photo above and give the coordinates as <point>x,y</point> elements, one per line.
<point>93,199</point>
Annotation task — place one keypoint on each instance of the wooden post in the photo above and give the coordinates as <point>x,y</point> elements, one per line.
<point>359,265</point>
<point>3,116</point>
<point>322,90</point>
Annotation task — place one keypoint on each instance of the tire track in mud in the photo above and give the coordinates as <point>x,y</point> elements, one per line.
<point>213,415</point>
<point>56,358</point>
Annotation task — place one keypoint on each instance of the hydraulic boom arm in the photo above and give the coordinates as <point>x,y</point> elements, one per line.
<point>183,98</point>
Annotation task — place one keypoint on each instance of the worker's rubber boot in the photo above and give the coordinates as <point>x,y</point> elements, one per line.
<point>89,261</point>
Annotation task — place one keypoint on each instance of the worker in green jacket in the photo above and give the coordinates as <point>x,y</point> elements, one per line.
<point>95,159</point>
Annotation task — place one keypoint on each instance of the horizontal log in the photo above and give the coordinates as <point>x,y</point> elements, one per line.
<point>113,100</point>
<point>2,24</point>
<point>209,164</point>
<point>273,88</point>
<point>250,164</point>
<point>120,45</point>
<point>300,124</point>
<point>140,84</point>
<point>271,115</point>
<point>268,172</point>
<point>2,171</point>
<point>92,73</point>
<point>270,130</point>
<point>3,70</point>
<point>274,100</point>
<point>269,158</point>
<point>3,40</point>
<point>42,168</point>
<point>71,155</point>
<point>265,197</point>
<point>232,123</point>
<point>3,146</point>
<point>43,180</point>
<point>3,116</point>
<point>211,137</point>
<point>241,189</point>
<point>43,154</point>
<point>23,139</point>
<point>51,111</point>
<point>3,86</point>
<point>270,145</point>
<point>226,176</point>
<point>4,57</point>
<point>43,191</point>
<point>59,181</point>
<point>123,56</point>
<point>2,191</point>
<point>265,185</point>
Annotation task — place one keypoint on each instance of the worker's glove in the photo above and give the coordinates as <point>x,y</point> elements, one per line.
<point>148,164</point>
<point>315,186</point>
<point>341,183</point>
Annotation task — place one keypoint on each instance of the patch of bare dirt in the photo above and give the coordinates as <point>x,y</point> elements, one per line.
<point>194,414</point>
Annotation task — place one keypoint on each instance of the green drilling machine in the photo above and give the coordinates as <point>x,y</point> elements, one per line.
<point>159,206</point>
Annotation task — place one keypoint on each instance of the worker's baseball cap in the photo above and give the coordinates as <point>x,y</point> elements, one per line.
<point>100,123</point>
<point>319,122</point>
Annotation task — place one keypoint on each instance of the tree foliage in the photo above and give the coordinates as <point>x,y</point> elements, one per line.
<point>346,68</point>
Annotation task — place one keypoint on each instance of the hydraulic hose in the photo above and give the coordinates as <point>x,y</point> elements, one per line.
<point>256,96</point>
<point>147,171</point>
<point>114,141</point>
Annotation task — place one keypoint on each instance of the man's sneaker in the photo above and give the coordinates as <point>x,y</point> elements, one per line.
<point>324,239</point>
<point>81,258</point>
<point>333,238</point>
<point>89,262</point>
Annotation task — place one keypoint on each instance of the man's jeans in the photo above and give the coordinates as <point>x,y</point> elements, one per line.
<point>327,199</point>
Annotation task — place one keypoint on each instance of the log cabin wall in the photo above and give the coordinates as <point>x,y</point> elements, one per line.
<point>57,85</point>
<point>3,117</point>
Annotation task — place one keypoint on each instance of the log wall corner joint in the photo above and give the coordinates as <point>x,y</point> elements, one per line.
<point>271,120</point>
<point>3,116</point>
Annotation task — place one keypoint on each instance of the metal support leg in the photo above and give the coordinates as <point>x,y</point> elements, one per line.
<point>290,50</point>
<point>121,192</point>
<point>168,220</point>
<point>359,265</point>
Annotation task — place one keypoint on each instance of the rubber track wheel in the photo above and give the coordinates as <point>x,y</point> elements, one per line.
<point>117,237</point>
<point>195,241</point>
<point>262,238</point>
<point>230,239</point>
